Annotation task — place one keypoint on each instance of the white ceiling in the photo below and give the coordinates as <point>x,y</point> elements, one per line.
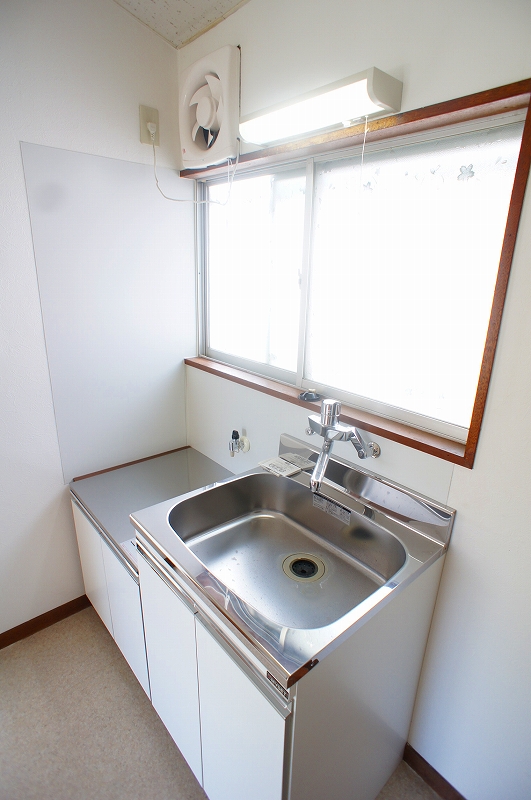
<point>179,21</point>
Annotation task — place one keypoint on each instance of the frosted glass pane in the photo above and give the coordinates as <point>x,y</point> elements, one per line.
<point>404,259</point>
<point>254,262</point>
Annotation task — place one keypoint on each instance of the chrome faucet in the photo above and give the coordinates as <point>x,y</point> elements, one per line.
<point>329,427</point>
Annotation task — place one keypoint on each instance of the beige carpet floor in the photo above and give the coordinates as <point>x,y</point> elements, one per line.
<point>76,725</point>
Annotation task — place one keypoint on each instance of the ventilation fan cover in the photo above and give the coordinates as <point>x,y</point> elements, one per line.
<point>209,109</point>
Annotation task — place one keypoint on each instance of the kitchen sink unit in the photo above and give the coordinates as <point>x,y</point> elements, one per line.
<point>285,629</point>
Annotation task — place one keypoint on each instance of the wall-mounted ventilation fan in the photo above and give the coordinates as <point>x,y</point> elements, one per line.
<point>209,109</point>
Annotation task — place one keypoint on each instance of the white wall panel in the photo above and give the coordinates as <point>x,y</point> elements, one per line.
<point>115,265</point>
<point>73,75</point>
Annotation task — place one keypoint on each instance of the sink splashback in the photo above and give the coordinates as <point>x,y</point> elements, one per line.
<point>377,495</point>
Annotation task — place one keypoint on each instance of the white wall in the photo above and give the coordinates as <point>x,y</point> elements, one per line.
<point>473,714</point>
<point>117,289</point>
<point>73,75</point>
<point>216,407</point>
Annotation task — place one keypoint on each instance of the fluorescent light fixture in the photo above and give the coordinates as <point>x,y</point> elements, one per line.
<point>364,94</point>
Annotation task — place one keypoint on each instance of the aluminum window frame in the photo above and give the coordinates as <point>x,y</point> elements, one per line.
<point>297,378</point>
<point>484,105</point>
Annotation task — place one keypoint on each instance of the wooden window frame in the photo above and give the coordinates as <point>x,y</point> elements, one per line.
<point>503,99</point>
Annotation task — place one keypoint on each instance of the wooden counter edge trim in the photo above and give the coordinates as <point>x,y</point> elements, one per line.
<point>430,775</point>
<point>403,434</point>
<point>43,621</point>
<point>129,463</point>
<point>510,97</point>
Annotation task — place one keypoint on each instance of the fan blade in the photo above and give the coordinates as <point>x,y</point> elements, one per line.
<point>194,130</point>
<point>212,136</point>
<point>215,86</point>
<point>204,91</point>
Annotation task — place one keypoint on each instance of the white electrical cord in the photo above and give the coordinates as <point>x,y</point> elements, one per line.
<point>152,128</point>
<point>363,151</point>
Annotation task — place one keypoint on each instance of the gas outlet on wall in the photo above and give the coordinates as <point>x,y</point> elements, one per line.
<point>238,444</point>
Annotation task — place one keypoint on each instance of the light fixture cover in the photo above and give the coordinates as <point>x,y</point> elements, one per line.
<point>367,93</point>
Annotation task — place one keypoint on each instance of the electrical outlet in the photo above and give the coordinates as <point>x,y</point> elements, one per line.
<point>148,115</point>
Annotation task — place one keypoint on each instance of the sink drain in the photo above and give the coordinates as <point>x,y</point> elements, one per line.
<point>303,567</point>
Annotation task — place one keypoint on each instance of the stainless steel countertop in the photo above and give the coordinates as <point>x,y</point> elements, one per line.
<point>111,496</point>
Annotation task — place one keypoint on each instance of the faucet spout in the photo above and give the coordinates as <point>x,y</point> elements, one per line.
<point>321,465</point>
<point>329,427</point>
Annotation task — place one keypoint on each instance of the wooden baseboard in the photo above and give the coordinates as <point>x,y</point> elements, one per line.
<point>430,775</point>
<point>43,621</point>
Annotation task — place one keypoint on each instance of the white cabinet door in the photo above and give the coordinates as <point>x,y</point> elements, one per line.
<point>242,734</point>
<point>170,642</point>
<point>126,615</point>
<point>89,543</point>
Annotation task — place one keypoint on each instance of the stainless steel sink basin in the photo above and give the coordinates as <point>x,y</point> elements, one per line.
<point>246,531</point>
<point>282,574</point>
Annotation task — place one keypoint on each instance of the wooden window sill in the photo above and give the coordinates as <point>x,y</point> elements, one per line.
<point>416,438</point>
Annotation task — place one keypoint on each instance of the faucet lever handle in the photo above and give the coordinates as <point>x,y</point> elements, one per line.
<point>330,411</point>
